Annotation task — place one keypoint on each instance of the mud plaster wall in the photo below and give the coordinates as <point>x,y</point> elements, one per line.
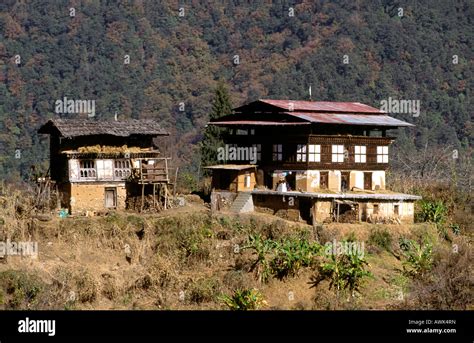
<point>282,206</point>
<point>288,207</point>
<point>91,197</point>
<point>321,211</point>
<point>275,179</point>
<point>406,210</point>
<point>301,180</point>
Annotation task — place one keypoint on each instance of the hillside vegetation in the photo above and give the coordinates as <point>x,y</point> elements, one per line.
<point>425,54</point>
<point>187,259</point>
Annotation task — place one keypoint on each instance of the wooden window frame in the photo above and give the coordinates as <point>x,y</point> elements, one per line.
<point>314,153</point>
<point>382,154</point>
<point>301,153</point>
<point>277,152</point>
<point>337,153</point>
<point>360,154</point>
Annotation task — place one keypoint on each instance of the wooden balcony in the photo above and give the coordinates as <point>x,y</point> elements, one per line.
<point>153,170</point>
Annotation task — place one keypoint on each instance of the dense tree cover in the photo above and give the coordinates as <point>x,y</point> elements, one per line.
<point>177,60</point>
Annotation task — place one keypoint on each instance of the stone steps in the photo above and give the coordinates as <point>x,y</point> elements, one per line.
<point>243,203</point>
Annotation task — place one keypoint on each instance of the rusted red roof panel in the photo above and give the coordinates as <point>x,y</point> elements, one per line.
<point>257,122</point>
<point>322,106</point>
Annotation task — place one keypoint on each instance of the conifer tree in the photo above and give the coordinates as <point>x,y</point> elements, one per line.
<point>212,139</point>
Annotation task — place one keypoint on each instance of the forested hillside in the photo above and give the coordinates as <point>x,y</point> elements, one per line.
<point>179,51</point>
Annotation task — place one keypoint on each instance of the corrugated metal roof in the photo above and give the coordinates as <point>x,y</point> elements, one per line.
<point>257,122</point>
<point>322,106</point>
<point>232,166</point>
<point>325,112</point>
<point>87,127</point>
<point>348,195</point>
<point>350,119</point>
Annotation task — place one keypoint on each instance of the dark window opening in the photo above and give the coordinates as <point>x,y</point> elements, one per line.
<point>291,181</point>
<point>323,180</point>
<point>376,208</point>
<point>345,177</point>
<point>305,209</point>
<point>368,181</point>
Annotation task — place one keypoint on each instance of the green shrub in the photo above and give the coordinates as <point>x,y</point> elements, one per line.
<point>262,248</point>
<point>455,228</point>
<point>19,289</point>
<point>381,238</point>
<point>345,272</point>
<point>191,243</point>
<point>204,290</point>
<point>449,284</point>
<point>418,259</point>
<point>404,243</point>
<point>291,255</point>
<point>243,300</point>
<point>135,220</point>
<point>432,211</point>
<point>282,258</point>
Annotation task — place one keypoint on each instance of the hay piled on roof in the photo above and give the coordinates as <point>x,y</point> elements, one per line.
<point>110,149</point>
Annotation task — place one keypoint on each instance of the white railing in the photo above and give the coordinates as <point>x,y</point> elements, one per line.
<point>100,170</point>
<point>87,173</point>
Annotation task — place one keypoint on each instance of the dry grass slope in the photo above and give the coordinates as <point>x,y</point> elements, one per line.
<point>188,259</point>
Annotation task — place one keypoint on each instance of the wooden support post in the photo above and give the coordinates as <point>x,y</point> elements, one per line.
<point>175,182</point>
<point>337,218</point>
<point>166,195</point>
<point>143,197</point>
<point>154,195</point>
<point>48,196</point>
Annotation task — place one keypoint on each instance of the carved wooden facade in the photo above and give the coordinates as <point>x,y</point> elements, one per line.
<point>97,165</point>
<point>316,147</point>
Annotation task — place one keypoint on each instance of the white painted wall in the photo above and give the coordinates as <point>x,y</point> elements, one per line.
<point>313,180</point>
<point>335,180</point>
<point>73,169</point>
<point>357,179</point>
<point>378,178</point>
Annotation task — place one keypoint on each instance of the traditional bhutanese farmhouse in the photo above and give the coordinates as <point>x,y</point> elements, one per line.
<point>103,165</point>
<point>316,161</point>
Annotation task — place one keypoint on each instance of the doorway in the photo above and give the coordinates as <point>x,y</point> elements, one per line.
<point>291,180</point>
<point>345,177</point>
<point>368,181</point>
<point>323,180</point>
<point>111,197</point>
<point>305,206</point>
